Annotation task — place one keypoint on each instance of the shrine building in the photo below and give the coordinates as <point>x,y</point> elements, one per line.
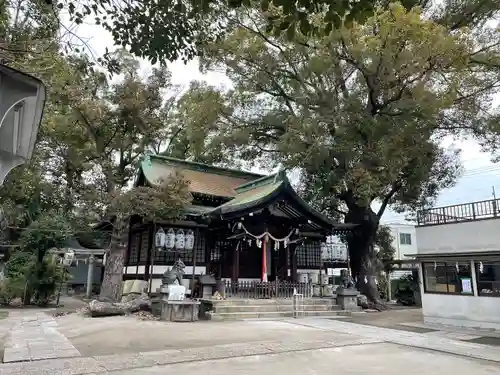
<point>240,226</point>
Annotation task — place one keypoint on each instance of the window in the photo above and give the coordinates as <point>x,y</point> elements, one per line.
<point>455,278</point>
<point>309,255</point>
<point>133,256</point>
<point>488,278</point>
<point>405,238</point>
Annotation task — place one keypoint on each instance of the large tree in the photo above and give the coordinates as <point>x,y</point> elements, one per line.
<point>114,124</point>
<point>363,109</point>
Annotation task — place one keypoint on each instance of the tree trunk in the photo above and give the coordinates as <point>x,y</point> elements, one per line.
<point>111,287</point>
<point>362,254</point>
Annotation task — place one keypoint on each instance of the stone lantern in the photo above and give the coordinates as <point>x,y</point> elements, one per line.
<point>22,99</point>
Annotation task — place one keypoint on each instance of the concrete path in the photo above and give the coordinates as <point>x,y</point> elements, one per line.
<point>312,346</point>
<point>384,359</point>
<point>35,337</point>
<point>347,354</point>
<point>417,340</point>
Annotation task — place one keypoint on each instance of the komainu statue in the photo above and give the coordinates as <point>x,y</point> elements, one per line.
<point>174,274</point>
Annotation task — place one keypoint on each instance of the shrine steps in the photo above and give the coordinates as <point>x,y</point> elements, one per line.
<point>270,309</point>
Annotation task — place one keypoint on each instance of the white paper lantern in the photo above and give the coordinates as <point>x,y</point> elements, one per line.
<point>170,239</point>
<point>189,243</point>
<point>180,240</point>
<point>68,258</point>
<point>324,251</point>
<point>160,239</point>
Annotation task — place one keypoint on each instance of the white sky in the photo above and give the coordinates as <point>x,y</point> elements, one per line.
<point>480,176</point>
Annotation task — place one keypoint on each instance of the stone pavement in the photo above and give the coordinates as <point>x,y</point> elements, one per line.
<point>350,356</point>
<point>121,362</point>
<point>387,359</point>
<point>418,340</point>
<point>316,346</point>
<point>35,337</point>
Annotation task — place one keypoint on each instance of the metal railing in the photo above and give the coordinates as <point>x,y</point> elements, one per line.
<point>298,306</point>
<point>459,213</point>
<point>271,289</point>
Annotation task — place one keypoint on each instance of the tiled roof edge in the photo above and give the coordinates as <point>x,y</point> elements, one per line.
<point>280,176</point>
<point>207,168</point>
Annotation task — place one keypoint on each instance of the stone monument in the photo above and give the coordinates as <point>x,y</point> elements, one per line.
<point>174,306</point>
<point>347,295</point>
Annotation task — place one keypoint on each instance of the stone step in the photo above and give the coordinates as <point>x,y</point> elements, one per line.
<point>273,302</point>
<point>271,308</point>
<point>272,315</point>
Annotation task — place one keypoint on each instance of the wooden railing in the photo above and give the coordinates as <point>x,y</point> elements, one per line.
<point>259,289</point>
<point>459,213</point>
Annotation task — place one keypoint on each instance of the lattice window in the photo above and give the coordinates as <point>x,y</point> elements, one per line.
<point>143,252</point>
<point>134,249</point>
<point>309,255</point>
<point>220,249</point>
<point>200,246</point>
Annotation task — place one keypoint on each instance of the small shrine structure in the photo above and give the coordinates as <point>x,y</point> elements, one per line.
<point>240,227</point>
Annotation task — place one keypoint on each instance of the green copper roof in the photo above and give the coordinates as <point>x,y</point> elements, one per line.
<point>202,178</point>
<point>254,192</point>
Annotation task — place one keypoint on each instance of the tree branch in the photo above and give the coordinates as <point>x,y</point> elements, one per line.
<point>395,188</point>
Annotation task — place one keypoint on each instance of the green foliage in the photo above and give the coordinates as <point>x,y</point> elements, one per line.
<point>18,263</point>
<point>26,276</point>
<point>30,272</point>
<point>44,279</point>
<point>175,29</point>
<point>50,230</point>
<point>382,286</point>
<point>167,200</point>
<point>405,292</point>
<point>362,110</point>
<point>385,248</point>
<point>11,289</point>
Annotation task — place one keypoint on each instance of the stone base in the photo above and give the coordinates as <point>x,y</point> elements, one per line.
<point>208,291</point>
<point>462,323</point>
<point>347,298</point>
<point>180,311</point>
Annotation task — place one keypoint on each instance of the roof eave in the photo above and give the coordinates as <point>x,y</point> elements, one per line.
<point>320,219</point>
<point>246,208</point>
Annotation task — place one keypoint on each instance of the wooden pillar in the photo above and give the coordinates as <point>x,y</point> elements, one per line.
<point>236,262</point>
<point>149,266</point>
<point>294,262</point>
<point>287,263</point>
<point>264,259</point>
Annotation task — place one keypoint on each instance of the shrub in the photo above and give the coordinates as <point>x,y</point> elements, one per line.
<point>10,289</point>
<point>28,265</point>
<point>46,282</point>
<point>405,293</point>
<point>382,286</point>
<point>39,281</point>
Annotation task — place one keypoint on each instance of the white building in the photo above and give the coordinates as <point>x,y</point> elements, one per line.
<point>404,240</point>
<point>459,258</point>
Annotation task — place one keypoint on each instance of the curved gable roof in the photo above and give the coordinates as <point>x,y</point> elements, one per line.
<point>202,178</point>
